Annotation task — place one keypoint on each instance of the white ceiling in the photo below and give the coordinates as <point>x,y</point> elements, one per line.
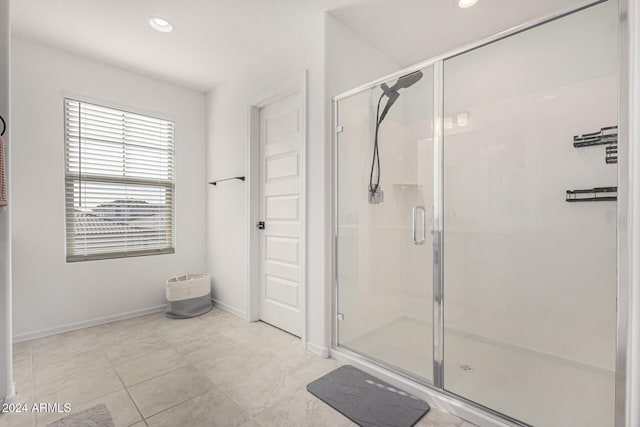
<point>212,40</point>
<point>411,31</point>
<point>215,39</point>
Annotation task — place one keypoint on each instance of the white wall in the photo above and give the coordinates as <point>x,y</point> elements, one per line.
<point>227,112</point>
<point>6,387</point>
<point>350,61</point>
<point>50,294</point>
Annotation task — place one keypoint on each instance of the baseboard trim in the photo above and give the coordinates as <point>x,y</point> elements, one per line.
<point>230,309</point>
<point>319,350</point>
<point>28,336</point>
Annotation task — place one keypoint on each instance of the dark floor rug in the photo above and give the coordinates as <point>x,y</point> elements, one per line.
<point>97,416</point>
<point>366,400</point>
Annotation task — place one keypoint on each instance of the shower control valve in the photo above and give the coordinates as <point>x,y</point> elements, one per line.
<point>376,197</point>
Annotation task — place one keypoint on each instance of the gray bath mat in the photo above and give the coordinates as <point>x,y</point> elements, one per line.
<point>366,400</point>
<point>98,416</point>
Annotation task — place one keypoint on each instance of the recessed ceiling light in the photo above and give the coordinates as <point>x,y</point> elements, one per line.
<point>466,3</point>
<point>161,25</point>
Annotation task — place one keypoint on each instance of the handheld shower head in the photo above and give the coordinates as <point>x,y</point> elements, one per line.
<point>392,94</point>
<point>408,80</point>
<point>405,81</point>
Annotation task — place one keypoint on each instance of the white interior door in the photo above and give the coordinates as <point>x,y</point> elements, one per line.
<point>281,240</point>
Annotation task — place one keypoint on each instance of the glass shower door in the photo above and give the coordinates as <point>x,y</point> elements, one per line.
<point>529,273</point>
<point>384,216</point>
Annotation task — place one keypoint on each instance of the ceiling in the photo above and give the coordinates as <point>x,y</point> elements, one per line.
<point>411,31</point>
<point>215,39</point>
<point>212,40</point>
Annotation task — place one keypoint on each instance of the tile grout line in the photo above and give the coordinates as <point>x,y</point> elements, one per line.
<point>33,382</point>
<point>144,419</point>
<point>125,388</point>
<point>254,416</point>
<point>155,376</point>
<point>93,370</point>
<point>282,399</point>
<point>173,406</point>
<point>202,373</point>
<point>110,365</point>
<point>250,417</point>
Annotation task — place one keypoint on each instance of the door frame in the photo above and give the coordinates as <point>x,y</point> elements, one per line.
<point>627,370</point>
<point>295,84</point>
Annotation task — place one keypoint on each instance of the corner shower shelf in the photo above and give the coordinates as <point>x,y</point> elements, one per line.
<point>606,135</point>
<point>611,154</point>
<point>597,194</point>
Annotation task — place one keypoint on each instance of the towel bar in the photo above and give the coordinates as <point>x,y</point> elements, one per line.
<point>241,178</point>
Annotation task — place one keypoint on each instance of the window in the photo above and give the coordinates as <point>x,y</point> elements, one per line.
<point>119,183</point>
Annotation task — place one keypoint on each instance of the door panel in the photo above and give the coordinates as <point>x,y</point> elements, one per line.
<point>530,279</point>
<point>282,208</point>
<point>384,275</point>
<point>280,194</point>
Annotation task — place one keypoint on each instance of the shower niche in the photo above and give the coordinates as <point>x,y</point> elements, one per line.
<point>459,264</point>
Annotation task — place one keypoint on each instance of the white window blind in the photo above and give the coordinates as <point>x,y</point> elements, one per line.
<point>119,183</point>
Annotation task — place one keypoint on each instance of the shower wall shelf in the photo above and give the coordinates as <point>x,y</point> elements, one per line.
<point>611,154</point>
<point>597,194</point>
<point>606,135</point>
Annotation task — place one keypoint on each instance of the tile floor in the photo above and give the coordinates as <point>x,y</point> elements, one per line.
<point>214,370</point>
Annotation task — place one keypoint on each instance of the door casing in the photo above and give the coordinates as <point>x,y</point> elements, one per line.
<point>296,84</point>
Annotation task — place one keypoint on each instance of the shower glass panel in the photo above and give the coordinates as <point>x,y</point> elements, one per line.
<point>384,243</point>
<point>530,278</point>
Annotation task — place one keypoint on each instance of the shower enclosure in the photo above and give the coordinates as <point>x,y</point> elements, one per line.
<point>475,248</point>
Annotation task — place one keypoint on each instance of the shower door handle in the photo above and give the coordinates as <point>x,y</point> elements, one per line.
<point>423,240</point>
